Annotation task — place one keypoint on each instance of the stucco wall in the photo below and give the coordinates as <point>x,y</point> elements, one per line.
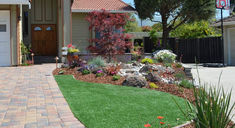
<point>67,21</point>
<point>13,35</point>
<point>229,44</point>
<point>80,33</point>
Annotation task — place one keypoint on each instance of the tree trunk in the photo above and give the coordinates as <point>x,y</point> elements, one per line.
<point>165,33</point>
<point>165,36</point>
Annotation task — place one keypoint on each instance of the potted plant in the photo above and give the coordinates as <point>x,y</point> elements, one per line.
<point>72,53</point>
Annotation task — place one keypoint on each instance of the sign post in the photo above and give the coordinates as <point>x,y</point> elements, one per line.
<point>222,4</point>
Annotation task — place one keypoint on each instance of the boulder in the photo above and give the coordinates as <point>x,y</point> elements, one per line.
<point>146,68</point>
<point>153,77</point>
<point>135,81</point>
<point>126,66</point>
<point>170,70</point>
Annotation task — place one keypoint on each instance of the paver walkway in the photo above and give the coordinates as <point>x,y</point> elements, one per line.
<point>30,98</point>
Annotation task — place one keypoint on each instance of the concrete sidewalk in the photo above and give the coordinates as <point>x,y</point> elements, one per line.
<point>210,76</point>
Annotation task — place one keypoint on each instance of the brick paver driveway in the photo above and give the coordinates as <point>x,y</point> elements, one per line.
<point>30,98</point>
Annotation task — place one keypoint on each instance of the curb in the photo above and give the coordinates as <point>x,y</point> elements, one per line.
<point>180,126</point>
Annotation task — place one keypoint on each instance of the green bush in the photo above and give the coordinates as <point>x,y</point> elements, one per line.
<point>186,84</point>
<point>167,64</point>
<point>99,74</point>
<point>178,65</point>
<point>97,61</point>
<point>153,85</point>
<point>165,56</point>
<point>147,60</point>
<point>116,77</point>
<point>85,72</point>
<point>179,76</point>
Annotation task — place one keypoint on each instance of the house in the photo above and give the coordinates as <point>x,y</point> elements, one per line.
<point>229,39</point>
<point>48,25</point>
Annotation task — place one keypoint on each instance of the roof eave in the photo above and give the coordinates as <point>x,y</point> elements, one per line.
<point>111,11</point>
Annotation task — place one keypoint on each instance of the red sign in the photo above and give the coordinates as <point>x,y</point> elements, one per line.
<point>223,4</point>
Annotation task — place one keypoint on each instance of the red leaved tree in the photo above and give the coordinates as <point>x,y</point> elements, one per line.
<point>111,39</point>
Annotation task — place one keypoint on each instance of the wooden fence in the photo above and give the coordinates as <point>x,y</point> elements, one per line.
<point>203,50</point>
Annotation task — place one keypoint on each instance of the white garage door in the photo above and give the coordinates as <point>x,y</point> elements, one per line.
<point>5,59</point>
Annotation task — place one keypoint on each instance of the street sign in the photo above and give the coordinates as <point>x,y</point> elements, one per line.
<point>223,4</point>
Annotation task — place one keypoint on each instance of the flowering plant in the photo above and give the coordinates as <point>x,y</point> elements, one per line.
<point>165,56</point>
<point>70,48</point>
<point>99,73</point>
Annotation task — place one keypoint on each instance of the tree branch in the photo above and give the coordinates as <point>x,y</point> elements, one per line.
<point>182,22</point>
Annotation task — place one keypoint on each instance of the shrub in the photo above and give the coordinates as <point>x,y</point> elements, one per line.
<point>186,84</point>
<point>85,72</point>
<point>116,77</point>
<point>178,65</point>
<point>113,70</point>
<point>167,64</point>
<point>97,61</point>
<point>99,73</point>
<point>147,60</point>
<point>165,56</point>
<point>153,85</point>
<point>179,76</point>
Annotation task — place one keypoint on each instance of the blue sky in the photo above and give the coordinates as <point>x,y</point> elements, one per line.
<point>226,13</point>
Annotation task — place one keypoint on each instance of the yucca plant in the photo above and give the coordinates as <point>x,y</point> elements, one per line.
<point>213,107</point>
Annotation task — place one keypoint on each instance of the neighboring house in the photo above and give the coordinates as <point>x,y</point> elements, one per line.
<point>48,25</point>
<point>229,39</point>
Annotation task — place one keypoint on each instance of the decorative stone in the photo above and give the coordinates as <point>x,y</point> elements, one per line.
<point>135,81</point>
<point>147,68</point>
<point>153,77</point>
<point>170,70</point>
<point>126,66</point>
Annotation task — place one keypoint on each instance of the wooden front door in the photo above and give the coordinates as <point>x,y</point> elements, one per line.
<point>44,40</point>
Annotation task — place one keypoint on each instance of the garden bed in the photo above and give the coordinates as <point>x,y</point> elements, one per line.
<point>107,79</point>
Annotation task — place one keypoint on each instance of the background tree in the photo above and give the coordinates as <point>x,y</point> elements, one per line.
<point>171,11</point>
<point>109,26</point>
<point>132,25</point>
<point>199,29</point>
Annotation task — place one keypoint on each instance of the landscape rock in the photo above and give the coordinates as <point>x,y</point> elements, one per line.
<point>170,70</point>
<point>135,81</point>
<point>146,68</point>
<point>153,77</point>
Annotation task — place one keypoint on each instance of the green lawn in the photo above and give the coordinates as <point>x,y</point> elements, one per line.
<point>110,106</point>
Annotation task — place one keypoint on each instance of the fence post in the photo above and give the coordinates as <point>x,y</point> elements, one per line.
<point>198,51</point>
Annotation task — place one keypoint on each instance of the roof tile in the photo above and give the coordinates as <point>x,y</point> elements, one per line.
<point>109,5</point>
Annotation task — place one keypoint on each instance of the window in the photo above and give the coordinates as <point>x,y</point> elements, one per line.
<point>3,27</point>
<point>37,29</point>
<point>49,29</point>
